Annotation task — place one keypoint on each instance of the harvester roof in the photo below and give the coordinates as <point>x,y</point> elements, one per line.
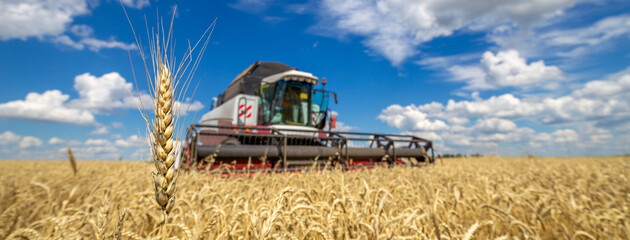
<point>248,82</point>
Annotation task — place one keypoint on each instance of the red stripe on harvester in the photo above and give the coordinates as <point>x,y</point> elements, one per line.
<point>241,106</point>
<point>249,115</point>
<point>248,108</point>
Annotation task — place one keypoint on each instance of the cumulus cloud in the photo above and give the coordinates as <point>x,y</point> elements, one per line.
<point>9,137</point>
<point>565,135</point>
<point>97,142</point>
<point>100,131</point>
<point>494,125</point>
<point>97,95</point>
<point>50,20</point>
<point>102,94</point>
<point>187,106</point>
<point>503,69</point>
<point>508,68</point>
<point>55,141</point>
<point>601,106</point>
<point>604,88</point>
<point>131,141</point>
<point>23,19</point>
<point>411,118</point>
<point>111,91</point>
<point>30,141</point>
<point>394,28</point>
<point>48,107</point>
<point>474,76</point>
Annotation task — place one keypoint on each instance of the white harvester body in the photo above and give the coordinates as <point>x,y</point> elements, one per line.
<point>273,118</point>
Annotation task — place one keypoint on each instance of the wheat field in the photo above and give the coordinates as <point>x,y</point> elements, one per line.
<point>475,198</point>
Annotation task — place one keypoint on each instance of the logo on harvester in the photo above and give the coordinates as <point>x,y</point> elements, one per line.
<point>242,111</point>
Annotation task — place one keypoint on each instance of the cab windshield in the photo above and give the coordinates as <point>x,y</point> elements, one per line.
<point>293,103</point>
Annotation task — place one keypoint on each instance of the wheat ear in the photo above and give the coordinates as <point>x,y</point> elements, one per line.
<point>162,142</point>
<point>72,162</point>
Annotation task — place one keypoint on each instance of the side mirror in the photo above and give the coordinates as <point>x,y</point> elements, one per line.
<point>333,122</point>
<point>335,94</point>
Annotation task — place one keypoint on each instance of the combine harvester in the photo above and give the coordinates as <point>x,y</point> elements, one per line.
<point>272,118</point>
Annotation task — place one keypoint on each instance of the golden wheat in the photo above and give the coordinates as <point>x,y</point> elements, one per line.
<point>162,143</point>
<point>73,163</point>
<point>168,84</point>
<point>485,198</point>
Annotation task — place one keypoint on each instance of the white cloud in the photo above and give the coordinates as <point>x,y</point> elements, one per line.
<point>30,141</point>
<point>411,118</point>
<point>565,135</point>
<point>111,91</point>
<point>65,40</point>
<point>503,69</point>
<point>117,125</point>
<point>494,125</point>
<point>474,76</point>
<point>94,152</point>
<point>507,68</point>
<point>394,28</point>
<point>136,3</point>
<point>48,107</point>
<point>97,95</point>
<point>131,141</point>
<point>98,44</point>
<point>9,137</point>
<point>577,40</point>
<point>97,142</point>
<point>100,131</point>
<point>187,106</point>
<point>21,19</point>
<point>600,110</point>
<point>252,6</point>
<point>82,30</point>
<point>93,43</point>
<point>600,136</point>
<point>503,106</point>
<point>49,20</point>
<point>609,88</point>
<point>102,94</point>
<point>55,141</point>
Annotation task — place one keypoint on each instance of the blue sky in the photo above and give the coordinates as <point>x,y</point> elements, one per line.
<point>541,77</point>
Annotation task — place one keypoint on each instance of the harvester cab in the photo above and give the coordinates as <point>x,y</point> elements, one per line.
<point>273,117</point>
<point>286,98</point>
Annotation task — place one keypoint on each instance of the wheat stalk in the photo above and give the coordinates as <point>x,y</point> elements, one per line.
<point>72,162</point>
<point>167,85</point>
<point>119,226</point>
